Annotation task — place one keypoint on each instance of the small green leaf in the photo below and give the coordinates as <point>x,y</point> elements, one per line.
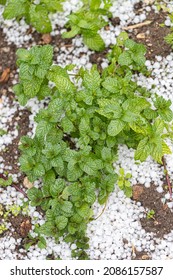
<point>39,18</point>
<point>35,195</point>
<point>94,43</point>
<point>41,243</point>
<point>57,187</point>
<point>61,222</point>
<point>115,127</point>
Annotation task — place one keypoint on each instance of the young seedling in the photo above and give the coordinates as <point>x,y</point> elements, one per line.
<point>150,214</point>
<point>87,21</point>
<point>124,183</point>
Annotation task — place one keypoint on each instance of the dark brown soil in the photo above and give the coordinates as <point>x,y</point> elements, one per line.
<point>152,35</point>
<point>162,221</point>
<point>98,58</point>
<point>141,256</point>
<point>7,60</point>
<point>21,224</point>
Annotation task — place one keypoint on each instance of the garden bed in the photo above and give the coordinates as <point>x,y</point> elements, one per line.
<point>140,227</point>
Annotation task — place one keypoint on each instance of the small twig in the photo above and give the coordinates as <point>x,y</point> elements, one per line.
<point>167,178</point>
<point>137,25</point>
<point>14,186</point>
<point>19,189</point>
<point>133,251</point>
<point>102,211</point>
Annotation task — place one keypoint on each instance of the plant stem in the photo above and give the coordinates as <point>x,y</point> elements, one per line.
<point>167,178</point>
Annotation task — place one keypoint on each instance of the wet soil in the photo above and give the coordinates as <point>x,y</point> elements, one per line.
<point>162,221</point>
<point>152,35</point>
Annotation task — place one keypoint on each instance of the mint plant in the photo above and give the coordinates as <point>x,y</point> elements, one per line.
<point>124,183</point>
<point>169,37</point>
<point>6,182</point>
<point>35,14</point>
<point>87,21</point>
<point>78,133</point>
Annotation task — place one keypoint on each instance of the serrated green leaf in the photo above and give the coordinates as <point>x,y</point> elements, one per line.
<point>53,5</point>
<point>91,166</point>
<point>94,43</point>
<point>63,84</point>
<point>35,195</point>
<point>61,222</point>
<point>15,8</point>
<point>106,154</point>
<point>115,127</point>
<point>47,228</point>
<point>72,33</point>
<point>92,80</point>
<point>125,59</point>
<point>38,170</point>
<point>111,84</point>
<point>83,210</point>
<point>67,207</point>
<point>67,125</point>
<point>39,18</point>
<point>165,149</point>
<point>143,150</point>
<point>41,243</point>
<point>57,187</point>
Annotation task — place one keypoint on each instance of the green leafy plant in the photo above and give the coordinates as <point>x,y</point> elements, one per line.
<point>35,14</point>
<point>5,212</point>
<point>150,214</point>
<point>87,21</point>
<point>78,133</point>
<point>39,240</point>
<point>7,182</point>
<point>124,183</point>
<point>169,37</point>
<point>2,132</point>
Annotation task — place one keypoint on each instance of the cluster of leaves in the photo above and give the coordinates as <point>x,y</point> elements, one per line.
<point>87,21</point>
<point>34,65</point>
<point>150,214</point>
<point>169,37</point>
<point>77,135</point>
<point>4,215</point>
<point>6,182</point>
<point>2,132</point>
<point>39,240</point>
<point>124,183</point>
<point>35,14</point>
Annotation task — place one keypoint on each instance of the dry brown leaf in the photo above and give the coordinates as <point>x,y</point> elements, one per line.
<point>25,227</point>
<point>149,2</point>
<point>145,257</point>
<point>137,191</point>
<point>46,38</point>
<point>27,184</point>
<point>5,75</point>
<point>140,36</point>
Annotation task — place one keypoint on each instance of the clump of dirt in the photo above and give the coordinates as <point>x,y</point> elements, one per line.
<point>152,35</point>
<point>11,153</point>
<point>8,58</point>
<point>115,21</point>
<point>141,256</point>
<point>21,224</point>
<point>162,221</point>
